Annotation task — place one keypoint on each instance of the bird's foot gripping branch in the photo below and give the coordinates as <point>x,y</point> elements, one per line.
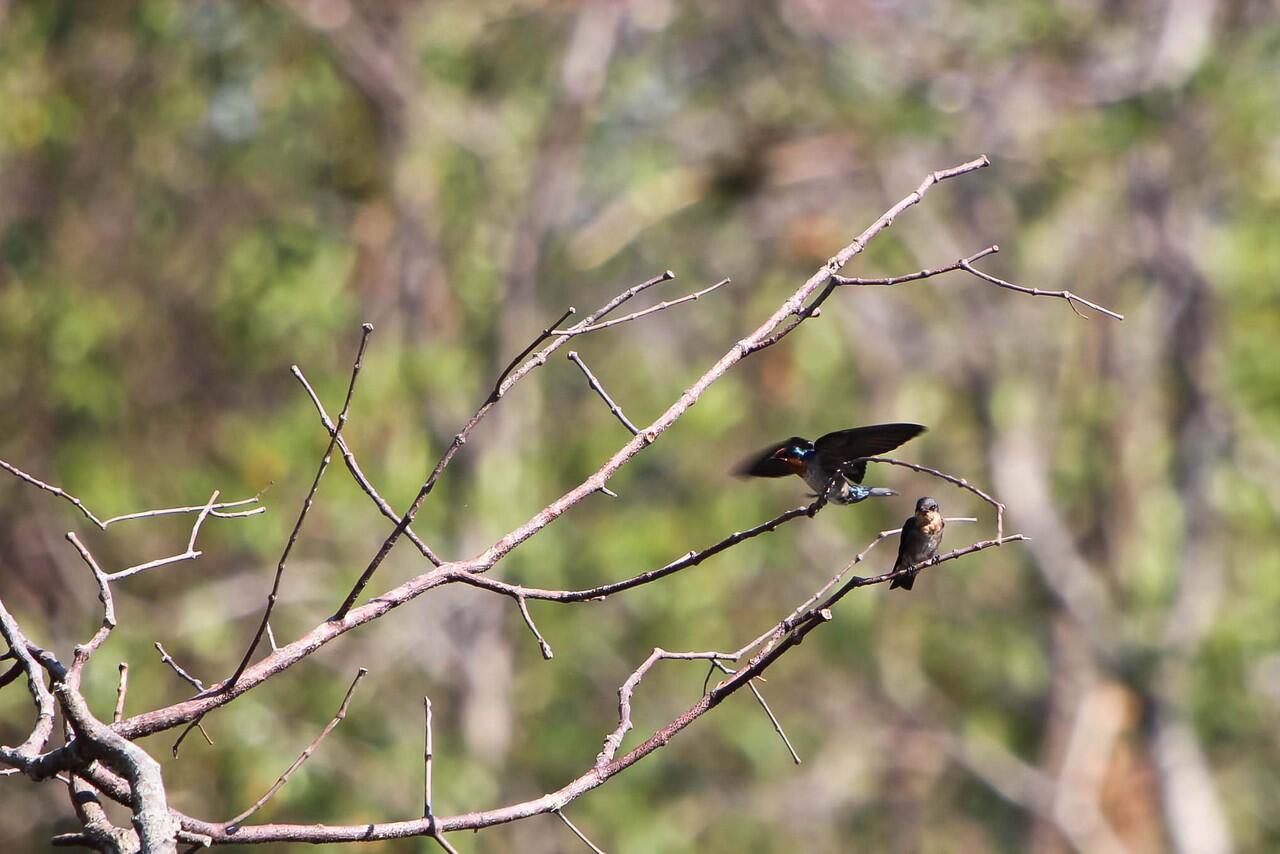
<point>100,759</point>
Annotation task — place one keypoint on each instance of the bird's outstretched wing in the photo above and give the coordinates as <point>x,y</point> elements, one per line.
<point>836,449</point>
<point>765,464</point>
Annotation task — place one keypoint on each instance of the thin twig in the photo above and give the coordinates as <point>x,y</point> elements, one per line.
<point>443,843</point>
<point>177,668</point>
<point>427,756</point>
<point>777,727</point>
<point>366,329</point>
<point>215,511</point>
<point>604,395</point>
<point>358,474</point>
<point>121,690</point>
<point>84,651</point>
<point>914,277</point>
<point>189,554</point>
<point>613,740</point>
<point>578,833</point>
<point>302,757</point>
<point>662,306</point>
<point>547,654</point>
<point>949,478</point>
<point>508,378</point>
<point>690,559</point>
<point>145,514</point>
<point>1070,298</point>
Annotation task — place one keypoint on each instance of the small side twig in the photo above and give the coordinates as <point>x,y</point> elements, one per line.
<point>662,306</point>
<point>604,395</point>
<point>366,329</point>
<point>121,690</point>
<point>189,554</point>
<point>690,559</point>
<point>506,380</point>
<point>303,757</point>
<point>773,719</point>
<point>578,833</point>
<point>547,654</point>
<point>915,277</point>
<point>427,756</point>
<point>613,740</point>
<point>177,668</point>
<point>144,514</point>
<point>949,478</point>
<point>84,651</point>
<point>349,457</point>
<point>1070,298</point>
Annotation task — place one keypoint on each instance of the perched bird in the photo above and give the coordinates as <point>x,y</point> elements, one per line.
<point>921,536</point>
<point>828,465</point>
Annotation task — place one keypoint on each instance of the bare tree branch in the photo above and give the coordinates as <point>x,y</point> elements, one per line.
<point>366,330</point>
<point>604,395</point>
<point>578,833</point>
<point>302,757</point>
<point>777,727</point>
<point>358,474</point>
<point>145,514</point>
<point>508,378</point>
<point>189,554</point>
<point>662,306</point>
<point>1071,298</point>
<point>547,654</point>
<point>177,668</point>
<point>949,478</point>
<point>121,690</point>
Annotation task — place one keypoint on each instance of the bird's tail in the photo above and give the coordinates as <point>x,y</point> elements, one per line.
<point>903,581</point>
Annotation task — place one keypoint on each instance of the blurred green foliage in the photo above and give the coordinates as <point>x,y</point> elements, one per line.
<point>196,196</point>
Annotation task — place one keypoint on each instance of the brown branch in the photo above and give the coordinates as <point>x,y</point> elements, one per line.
<point>777,727</point>
<point>915,277</point>
<point>547,654</point>
<point>601,772</point>
<point>366,329</point>
<point>427,757</point>
<point>692,558</point>
<point>604,395</point>
<point>662,306</point>
<point>302,757</point>
<point>157,828</point>
<point>189,554</point>
<point>1070,298</point>
<point>121,690</point>
<point>358,474</point>
<point>177,668</point>
<point>84,651</point>
<point>949,478</point>
<point>578,833</point>
<point>22,755</point>
<point>443,843</point>
<point>613,740</point>
<point>145,514</point>
<point>508,378</point>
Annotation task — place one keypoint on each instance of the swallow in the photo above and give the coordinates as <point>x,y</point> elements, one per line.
<point>921,536</point>
<point>832,466</point>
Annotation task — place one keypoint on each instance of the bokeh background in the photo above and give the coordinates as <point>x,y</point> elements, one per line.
<point>195,196</point>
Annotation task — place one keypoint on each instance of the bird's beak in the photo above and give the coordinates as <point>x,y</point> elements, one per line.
<point>881,492</point>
